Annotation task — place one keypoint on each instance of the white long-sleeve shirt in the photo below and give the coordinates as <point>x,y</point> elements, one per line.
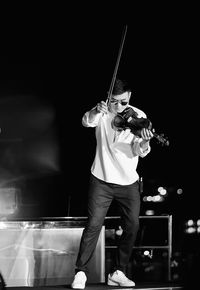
<point>117,153</point>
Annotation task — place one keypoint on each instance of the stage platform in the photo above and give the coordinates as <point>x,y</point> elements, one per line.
<point>41,254</point>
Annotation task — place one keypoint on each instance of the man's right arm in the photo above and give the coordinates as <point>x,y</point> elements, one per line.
<point>92,114</point>
<point>91,118</point>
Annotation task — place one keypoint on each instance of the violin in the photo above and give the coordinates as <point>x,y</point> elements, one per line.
<point>128,119</point>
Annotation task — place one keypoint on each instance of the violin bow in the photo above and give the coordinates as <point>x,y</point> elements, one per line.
<point>117,62</point>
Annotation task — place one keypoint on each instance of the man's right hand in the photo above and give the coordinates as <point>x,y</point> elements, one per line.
<point>102,107</point>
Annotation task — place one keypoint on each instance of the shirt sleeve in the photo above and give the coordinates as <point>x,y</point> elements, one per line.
<point>85,120</point>
<point>136,148</point>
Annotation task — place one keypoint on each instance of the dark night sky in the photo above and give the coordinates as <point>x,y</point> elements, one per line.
<point>68,68</point>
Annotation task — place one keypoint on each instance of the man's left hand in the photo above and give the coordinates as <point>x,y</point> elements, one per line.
<point>146,134</point>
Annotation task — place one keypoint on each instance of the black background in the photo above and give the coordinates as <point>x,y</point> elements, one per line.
<point>66,67</point>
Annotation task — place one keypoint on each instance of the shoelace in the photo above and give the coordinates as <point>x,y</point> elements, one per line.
<point>122,276</point>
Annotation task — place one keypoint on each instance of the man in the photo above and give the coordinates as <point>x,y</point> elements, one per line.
<point>113,176</point>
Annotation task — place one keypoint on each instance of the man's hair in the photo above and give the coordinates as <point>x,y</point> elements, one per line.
<point>120,87</point>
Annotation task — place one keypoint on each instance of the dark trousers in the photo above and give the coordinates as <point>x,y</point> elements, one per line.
<point>101,194</point>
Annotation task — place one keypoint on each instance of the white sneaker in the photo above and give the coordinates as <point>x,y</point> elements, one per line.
<point>79,280</point>
<point>118,278</point>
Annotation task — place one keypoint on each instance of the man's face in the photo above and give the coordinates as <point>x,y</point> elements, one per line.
<point>118,103</point>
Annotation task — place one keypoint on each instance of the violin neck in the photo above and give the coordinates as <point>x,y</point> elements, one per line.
<point>160,138</point>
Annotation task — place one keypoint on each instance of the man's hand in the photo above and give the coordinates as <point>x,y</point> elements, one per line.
<point>146,134</point>
<point>102,107</point>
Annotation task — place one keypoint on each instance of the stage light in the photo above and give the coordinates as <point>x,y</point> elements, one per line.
<point>145,198</point>
<point>190,223</point>
<point>192,226</point>
<point>157,198</point>
<point>119,231</point>
<point>149,198</point>
<point>162,190</point>
<point>179,191</point>
<point>148,253</point>
<point>190,230</point>
<point>149,212</point>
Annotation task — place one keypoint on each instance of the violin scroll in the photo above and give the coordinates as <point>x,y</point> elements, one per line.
<point>161,138</point>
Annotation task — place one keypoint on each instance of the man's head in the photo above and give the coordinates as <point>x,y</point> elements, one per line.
<point>120,97</point>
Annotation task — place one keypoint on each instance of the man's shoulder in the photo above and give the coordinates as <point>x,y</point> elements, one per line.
<point>140,113</point>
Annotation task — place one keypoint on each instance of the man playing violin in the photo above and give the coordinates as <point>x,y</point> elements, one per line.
<point>113,177</point>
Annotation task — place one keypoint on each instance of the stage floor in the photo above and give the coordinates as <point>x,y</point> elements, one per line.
<point>139,286</point>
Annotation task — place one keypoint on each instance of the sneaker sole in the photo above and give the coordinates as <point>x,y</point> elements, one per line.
<point>113,283</point>
<point>76,287</point>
